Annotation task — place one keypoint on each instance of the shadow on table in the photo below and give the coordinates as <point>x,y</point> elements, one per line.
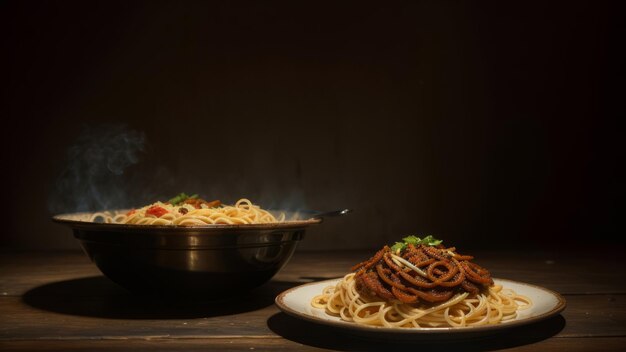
<point>100,297</point>
<point>321,336</point>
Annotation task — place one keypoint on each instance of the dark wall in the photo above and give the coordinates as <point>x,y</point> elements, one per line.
<point>485,124</point>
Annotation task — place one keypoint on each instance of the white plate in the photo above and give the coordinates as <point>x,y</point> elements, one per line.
<point>297,302</point>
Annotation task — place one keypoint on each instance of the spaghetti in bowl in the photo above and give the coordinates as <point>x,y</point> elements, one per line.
<point>184,210</point>
<point>212,260</point>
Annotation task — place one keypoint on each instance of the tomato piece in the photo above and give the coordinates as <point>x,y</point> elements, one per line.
<point>156,211</point>
<point>131,212</point>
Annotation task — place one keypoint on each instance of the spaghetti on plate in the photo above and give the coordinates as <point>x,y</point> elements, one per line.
<point>420,283</point>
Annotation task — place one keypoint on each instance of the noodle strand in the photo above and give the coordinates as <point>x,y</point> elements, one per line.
<point>492,307</point>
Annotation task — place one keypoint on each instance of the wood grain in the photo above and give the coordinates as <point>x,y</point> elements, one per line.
<point>278,344</point>
<point>60,301</point>
<point>567,273</point>
<point>126,316</point>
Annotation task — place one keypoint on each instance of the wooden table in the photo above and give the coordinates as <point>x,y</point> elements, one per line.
<point>59,301</point>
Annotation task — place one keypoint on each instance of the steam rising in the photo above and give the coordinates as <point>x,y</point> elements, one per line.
<point>114,167</point>
<point>95,176</point>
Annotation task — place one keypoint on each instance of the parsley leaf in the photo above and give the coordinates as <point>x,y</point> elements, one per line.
<point>398,247</point>
<point>414,240</point>
<point>431,241</point>
<point>180,198</point>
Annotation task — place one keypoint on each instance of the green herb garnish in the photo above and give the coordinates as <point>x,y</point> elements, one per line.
<point>414,240</point>
<point>181,198</point>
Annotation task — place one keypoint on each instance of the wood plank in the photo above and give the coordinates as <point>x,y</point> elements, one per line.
<point>567,273</point>
<point>123,316</point>
<point>52,315</point>
<point>327,343</point>
<point>22,271</point>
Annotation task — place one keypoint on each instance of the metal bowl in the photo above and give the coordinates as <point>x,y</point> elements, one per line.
<point>212,261</point>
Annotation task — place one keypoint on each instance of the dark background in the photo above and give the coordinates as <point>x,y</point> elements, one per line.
<point>486,124</point>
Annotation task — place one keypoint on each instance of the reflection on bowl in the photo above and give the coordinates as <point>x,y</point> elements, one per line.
<point>213,261</point>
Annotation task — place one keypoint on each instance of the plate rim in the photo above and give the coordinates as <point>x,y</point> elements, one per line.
<point>558,308</point>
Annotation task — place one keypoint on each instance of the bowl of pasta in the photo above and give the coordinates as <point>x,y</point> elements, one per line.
<point>189,246</point>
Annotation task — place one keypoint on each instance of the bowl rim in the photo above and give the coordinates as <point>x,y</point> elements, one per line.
<point>70,220</point>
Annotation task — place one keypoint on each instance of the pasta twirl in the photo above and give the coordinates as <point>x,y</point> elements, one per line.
<point>420,283</point>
